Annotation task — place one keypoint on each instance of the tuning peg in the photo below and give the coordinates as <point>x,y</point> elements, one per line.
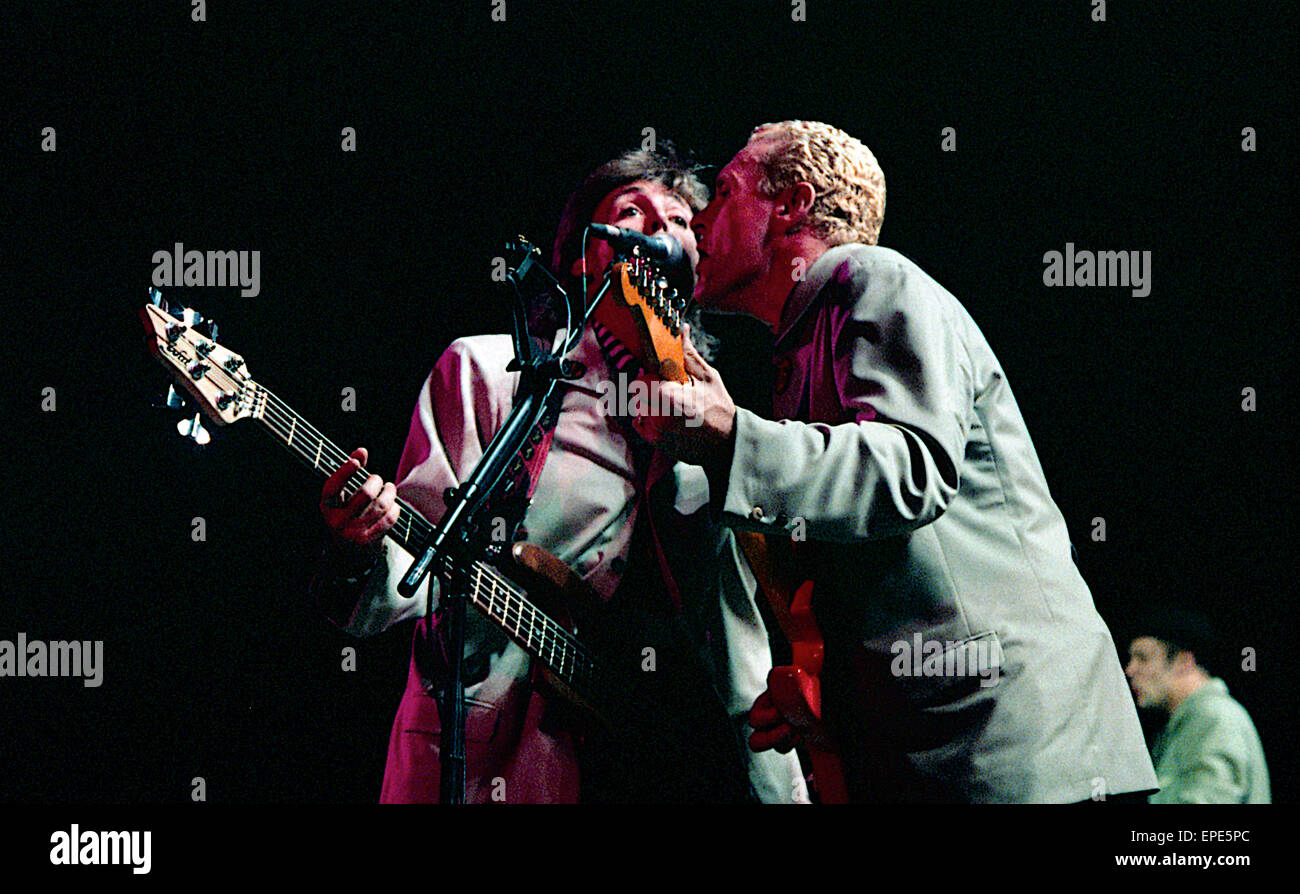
<point>190,317</point>
<point>193,428</point>
<point>172,400</point>
<point>169,307</point>
<point>520,243</point>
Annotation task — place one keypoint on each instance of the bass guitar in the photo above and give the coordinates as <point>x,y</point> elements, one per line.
<point>219,381</point>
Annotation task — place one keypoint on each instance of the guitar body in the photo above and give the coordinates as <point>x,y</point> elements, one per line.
<point>569,600</point>
<point>556,591</point>
<point>808,651</point>
<point>789,593</point>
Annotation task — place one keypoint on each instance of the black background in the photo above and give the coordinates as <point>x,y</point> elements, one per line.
<point>225,135</point>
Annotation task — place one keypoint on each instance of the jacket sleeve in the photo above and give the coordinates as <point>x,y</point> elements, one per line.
<point>458,411</point>
<point>903,380</point>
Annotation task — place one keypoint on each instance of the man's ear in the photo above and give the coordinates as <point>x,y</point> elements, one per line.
<point>792,205</point>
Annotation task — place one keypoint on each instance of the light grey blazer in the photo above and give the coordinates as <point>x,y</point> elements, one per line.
<point>965,660</point>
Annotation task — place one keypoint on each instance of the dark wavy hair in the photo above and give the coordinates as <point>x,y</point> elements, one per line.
<point>675,170</point>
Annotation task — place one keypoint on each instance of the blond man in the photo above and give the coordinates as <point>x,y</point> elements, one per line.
<point>964,658</point>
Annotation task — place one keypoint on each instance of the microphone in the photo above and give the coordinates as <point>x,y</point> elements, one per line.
<point>662,248</point>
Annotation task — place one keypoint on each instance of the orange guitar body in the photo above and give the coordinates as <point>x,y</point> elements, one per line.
<point>808,653</point>
<point>800,682</point>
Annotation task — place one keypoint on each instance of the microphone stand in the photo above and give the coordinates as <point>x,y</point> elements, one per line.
<point>453,545</point>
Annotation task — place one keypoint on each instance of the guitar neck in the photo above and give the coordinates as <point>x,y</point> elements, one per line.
<point>491,592</point>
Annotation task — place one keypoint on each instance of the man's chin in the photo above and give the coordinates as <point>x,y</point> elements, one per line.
<point>711,299</point>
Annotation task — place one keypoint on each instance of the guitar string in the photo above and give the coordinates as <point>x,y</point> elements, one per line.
<point>275,412</point>
<point>552,638</point>
<point>538,631</point>
<point>554,645</point>
<point>553,641</point>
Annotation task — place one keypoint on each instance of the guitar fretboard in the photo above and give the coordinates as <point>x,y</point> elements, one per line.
<point>489,590</point>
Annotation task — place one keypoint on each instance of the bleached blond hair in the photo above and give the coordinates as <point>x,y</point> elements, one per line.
<point>848,181</point>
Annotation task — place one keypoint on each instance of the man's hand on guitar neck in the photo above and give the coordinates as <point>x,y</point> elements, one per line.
<point>696,420</point>
<point>357,525</point>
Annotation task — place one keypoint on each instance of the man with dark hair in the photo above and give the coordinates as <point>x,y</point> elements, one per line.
<point>629,521</point>
<point>674,171</point>
<point>1208,751</point>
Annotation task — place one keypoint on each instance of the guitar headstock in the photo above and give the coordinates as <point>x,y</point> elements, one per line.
<point>654,314</point>
<point>215,376</point>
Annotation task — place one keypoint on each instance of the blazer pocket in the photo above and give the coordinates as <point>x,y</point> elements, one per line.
<point>945,671</point>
